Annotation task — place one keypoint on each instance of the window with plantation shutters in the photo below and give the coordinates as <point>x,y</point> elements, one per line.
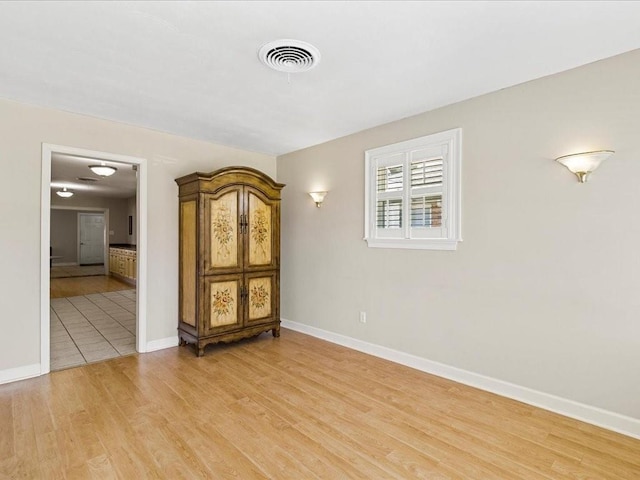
<point>412,193</point>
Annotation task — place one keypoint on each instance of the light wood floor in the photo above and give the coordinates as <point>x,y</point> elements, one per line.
<point>288,408</point>
<point>74,286</point>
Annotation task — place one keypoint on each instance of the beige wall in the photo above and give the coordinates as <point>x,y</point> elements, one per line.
<point>64,222</point>
<point>542,292</point>
<point>24,128</point>
<point>64,236</point>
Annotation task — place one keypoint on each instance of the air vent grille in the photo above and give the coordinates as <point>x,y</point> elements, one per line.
<point>88,179</point>
<point>290,56</point>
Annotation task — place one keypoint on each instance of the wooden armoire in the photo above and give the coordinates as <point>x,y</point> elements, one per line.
<point>229,256</point>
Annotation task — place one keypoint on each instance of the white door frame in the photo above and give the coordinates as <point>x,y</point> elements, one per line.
<point>105,236</point>
<point>45,224</point>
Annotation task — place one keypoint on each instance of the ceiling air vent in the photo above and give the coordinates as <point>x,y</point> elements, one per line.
<point>290,56</point>
<point>87,179</point>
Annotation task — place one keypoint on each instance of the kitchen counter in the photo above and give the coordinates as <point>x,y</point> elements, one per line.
<point>123,246</point>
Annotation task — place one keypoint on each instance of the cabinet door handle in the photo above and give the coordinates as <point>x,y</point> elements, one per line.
<point>243,294</point>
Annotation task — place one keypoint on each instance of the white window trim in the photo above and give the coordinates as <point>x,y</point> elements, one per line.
<point>452,191</point>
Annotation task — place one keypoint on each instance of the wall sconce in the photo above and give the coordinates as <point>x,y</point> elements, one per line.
<point>582,164</point>
<point>318,197</point>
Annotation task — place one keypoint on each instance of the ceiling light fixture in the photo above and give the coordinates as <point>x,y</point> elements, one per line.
<point>582,164</point>
<point>64,193</point>
<point>103,169</point>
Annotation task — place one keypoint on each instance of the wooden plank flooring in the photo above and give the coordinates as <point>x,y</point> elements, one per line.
<point>75,286</point>
<point>289,408</point>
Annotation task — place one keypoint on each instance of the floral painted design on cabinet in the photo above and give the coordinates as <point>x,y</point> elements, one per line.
<point>260,231</point>
<point>224,303</point>
<point>259,298</point>
<point>224,218</point>
<point>259,228</point>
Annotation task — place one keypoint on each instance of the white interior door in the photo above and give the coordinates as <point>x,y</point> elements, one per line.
<point>92,235</point>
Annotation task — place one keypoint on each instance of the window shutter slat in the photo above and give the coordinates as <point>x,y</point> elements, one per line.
<point>427,172</point>
<point>389,213</point>
<point>389,186</point>
<point>426,211</point>
<point>389,178</point>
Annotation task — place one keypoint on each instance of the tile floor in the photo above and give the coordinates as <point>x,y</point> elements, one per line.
<point>92,328</point>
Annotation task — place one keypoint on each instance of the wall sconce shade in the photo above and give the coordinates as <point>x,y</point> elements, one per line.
<point>103,169</point>
<point>64,193</point>
<point>318,197</point>
<point>582,164</point>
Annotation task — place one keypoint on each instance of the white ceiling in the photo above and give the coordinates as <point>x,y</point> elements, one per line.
<point>191,68</point>
<point>72,172</point>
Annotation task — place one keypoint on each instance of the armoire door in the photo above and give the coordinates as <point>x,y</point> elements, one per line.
<point>262,247</point>
<point>222,304</point>
<point>261,297</point>
<point>223,232</point>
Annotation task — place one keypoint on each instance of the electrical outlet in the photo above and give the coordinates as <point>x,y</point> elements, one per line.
<point>363,317</point>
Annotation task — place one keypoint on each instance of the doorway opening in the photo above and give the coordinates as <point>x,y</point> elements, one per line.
<point>91,309</point>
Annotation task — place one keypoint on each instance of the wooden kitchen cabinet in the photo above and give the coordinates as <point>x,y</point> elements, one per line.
<point>123,264</point>
<point>229,273</point>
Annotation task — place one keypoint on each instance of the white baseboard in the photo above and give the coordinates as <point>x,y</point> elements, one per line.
<point>19,373</point>
<point>64,264</point>
<point>162,343</point>
<point>579,411</point>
